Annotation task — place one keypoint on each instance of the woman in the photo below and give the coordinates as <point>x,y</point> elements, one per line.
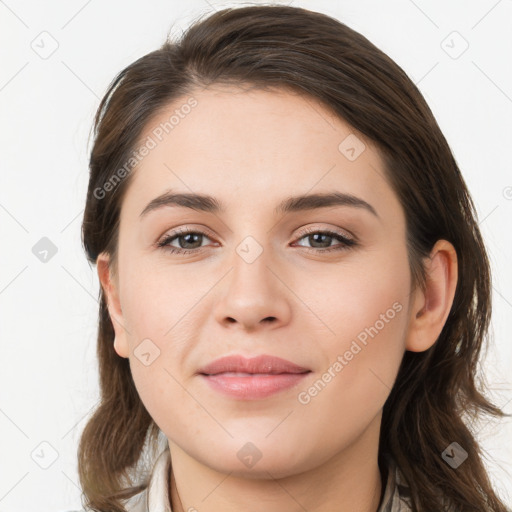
<point>295,291</point>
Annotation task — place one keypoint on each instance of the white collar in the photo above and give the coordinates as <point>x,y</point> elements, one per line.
<point>155,497</point>
<point>158,499</point>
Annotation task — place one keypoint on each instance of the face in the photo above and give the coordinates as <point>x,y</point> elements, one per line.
<point>323,285</point>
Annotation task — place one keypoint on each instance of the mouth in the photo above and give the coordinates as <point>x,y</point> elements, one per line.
<point>263,364</point>
<point>254,378</point>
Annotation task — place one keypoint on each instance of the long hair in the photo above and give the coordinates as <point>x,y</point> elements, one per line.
<point>435,397</point>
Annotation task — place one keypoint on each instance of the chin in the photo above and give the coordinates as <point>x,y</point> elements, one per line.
<point>259,460</point>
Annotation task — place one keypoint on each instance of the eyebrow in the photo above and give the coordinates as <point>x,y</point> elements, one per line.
<point>209,204</point>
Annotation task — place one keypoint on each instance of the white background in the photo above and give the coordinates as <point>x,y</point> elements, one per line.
<point>48,377</point>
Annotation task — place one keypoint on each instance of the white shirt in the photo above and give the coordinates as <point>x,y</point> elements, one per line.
<point>155,497</point>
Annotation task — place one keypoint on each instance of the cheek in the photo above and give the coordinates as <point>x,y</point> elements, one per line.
<point>158,308</point>
<point>158,299</point>
<point>362,303</point>
<point>363,299</point>
<point>366,313</point>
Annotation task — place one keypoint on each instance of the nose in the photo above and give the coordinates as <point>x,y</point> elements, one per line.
<point>254,296</point>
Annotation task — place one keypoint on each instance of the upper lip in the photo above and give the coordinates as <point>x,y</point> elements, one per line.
<point>260,364</point>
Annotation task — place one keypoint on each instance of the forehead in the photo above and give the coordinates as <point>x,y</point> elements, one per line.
<point>255,147</point>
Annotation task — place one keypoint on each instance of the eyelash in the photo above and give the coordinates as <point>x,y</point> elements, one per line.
<point>347,243</point>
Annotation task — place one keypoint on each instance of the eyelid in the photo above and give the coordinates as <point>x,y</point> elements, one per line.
<point>184,230</point>
<point>338,231</point>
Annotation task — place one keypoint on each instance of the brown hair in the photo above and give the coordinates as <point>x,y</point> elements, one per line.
<point>315,55</point>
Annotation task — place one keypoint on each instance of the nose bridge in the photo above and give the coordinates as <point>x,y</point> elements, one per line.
<point>253,292</point>
<point>250,280</point>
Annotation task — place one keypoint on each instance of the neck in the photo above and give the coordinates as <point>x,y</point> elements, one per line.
<point>350,481</point>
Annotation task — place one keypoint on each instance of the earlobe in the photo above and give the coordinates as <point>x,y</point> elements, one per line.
<point>110,289</point>
<point>430,307</point>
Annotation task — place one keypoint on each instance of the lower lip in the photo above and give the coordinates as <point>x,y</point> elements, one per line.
<point>253,387</point>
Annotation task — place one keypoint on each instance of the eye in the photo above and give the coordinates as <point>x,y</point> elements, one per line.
<point>190,241</point>
<point>185,237</point>
<point>324,239</point>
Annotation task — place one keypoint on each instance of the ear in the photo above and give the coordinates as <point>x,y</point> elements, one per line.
<point>430,307</point>
<point>110,288</point>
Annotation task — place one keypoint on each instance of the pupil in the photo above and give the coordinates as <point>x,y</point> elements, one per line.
<point>188,236</point>
<point>320,235</point>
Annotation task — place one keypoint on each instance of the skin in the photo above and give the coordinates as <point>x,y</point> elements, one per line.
<point>250,150</point>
